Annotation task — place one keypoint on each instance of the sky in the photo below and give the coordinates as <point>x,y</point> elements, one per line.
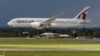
<point>10,9</point>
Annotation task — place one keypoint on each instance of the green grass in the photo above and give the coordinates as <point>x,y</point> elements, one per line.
<point>52,53</point>
<point>37,41</point>
<point>47,43</point>
<point>74,46</point>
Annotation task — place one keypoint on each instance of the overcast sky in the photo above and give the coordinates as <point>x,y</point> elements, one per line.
<point>10,9</point>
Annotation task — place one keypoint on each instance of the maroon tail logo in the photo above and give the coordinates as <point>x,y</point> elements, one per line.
<point>83,15</point>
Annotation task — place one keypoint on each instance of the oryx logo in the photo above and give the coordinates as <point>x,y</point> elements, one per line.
<point>83,15</point>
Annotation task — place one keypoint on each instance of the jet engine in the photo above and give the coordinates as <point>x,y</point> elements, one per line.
<point>39,25</point>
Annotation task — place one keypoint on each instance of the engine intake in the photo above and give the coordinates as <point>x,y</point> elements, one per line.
<point>37,25</point>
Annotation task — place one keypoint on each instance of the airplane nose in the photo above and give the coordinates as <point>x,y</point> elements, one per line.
<point>9,23</point>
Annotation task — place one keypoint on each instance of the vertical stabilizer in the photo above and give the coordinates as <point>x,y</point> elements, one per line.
<point>82,14</point>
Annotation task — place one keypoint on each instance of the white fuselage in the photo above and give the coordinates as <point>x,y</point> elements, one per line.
<point>52,22</point>
<point>59,23</point>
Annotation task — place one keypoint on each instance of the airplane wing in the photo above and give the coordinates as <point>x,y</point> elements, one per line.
<point>47,23</point>
<point>52,19</point>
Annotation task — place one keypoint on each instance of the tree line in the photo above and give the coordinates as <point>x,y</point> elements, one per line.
<point>18,32</point>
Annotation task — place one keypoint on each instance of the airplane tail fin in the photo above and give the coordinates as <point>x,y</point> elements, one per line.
<point>83,14</point>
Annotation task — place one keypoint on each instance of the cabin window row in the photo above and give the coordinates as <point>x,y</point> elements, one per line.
<point>25,21</point>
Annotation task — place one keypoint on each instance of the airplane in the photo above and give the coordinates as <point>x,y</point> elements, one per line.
<point>53,22</point>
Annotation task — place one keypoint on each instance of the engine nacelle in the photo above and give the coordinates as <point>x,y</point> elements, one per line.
<point>36,25</point>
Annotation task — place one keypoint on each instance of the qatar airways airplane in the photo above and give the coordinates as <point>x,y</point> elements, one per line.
<point>53,22</point>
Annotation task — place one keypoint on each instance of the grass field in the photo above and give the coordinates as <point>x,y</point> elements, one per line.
<point>73,46</point>
<point>50,43</point>
<point>52,53</point>
<point>45,41</point>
